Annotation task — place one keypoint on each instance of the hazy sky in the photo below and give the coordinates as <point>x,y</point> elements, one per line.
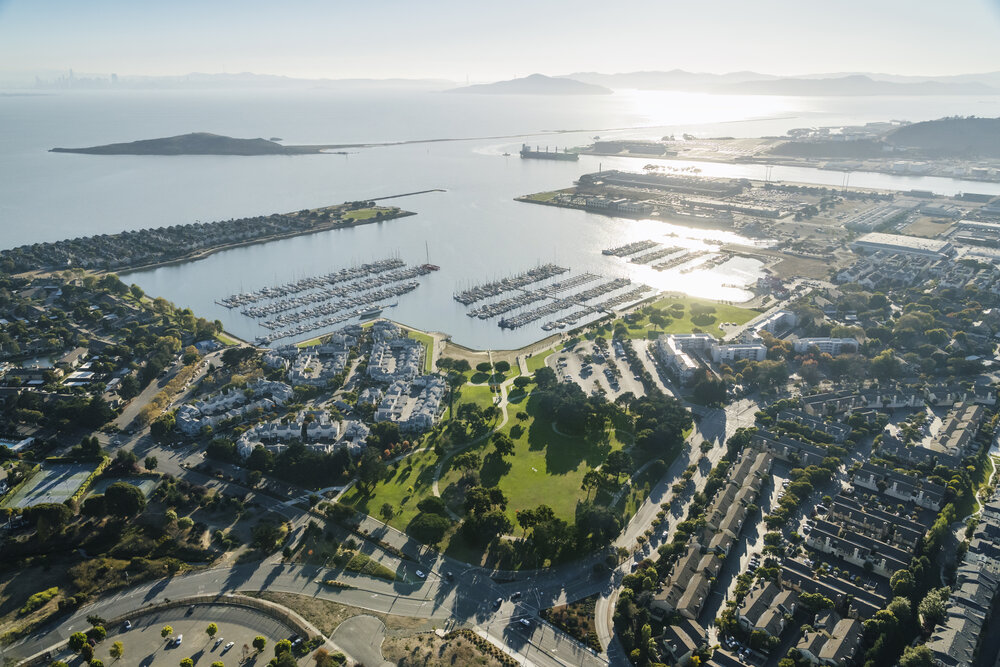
<point>498,40</point>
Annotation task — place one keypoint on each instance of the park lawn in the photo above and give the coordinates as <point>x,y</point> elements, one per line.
<point>536,361</point>
<point>409,481</point>
<point>428,343</point>
<point>478,394</point>
<point>226,339</point>
<point>724,312</point>
<point>547,468</point>
<point>364,213</point>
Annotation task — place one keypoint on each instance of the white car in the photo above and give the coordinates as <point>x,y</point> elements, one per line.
<point>421,574</point>
<point>228,646</point>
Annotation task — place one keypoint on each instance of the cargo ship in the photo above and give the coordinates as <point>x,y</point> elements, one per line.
<point>547,154</point>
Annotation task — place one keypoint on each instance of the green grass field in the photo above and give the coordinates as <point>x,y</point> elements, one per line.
<point>226,340</point>
<point>409,482</point>
<point>681,318</point>
<point>364,213</point>
<point>536,361</point>
<point>428,342</point>
<point>546,467</point>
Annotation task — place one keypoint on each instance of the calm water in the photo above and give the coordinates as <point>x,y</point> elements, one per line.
<point>474,231</point>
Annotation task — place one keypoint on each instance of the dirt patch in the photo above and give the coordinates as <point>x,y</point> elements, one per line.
<point>429,650</point>
<point>792,266</point>
<point>929,227</point>
<point>327,615</point>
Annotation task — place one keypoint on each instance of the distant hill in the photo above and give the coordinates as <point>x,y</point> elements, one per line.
<point>196,143</point>
<point>676,79</point>
<point>960,137</point>
<point>754,83</point>
<point>536,84</point>
<point>855,85</point>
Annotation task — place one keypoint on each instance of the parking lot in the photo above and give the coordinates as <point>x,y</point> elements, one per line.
<point>237,625</point>
<point>588,367</point>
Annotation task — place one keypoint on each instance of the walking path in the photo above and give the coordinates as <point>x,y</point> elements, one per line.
<point>502,404</point>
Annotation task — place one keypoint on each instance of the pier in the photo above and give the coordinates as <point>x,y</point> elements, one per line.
<point>486,290</point>
<point>659,253</point>
<point>315,282</point>
<point>630,248</point>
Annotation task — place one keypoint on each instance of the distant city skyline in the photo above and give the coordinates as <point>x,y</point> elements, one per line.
<point>455,40</point>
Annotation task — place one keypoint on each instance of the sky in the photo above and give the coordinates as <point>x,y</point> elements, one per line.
<point>486,41</point>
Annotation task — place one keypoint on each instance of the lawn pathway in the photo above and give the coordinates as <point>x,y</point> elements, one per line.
<point>502,404</point>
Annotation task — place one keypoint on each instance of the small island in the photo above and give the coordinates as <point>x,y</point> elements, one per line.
<point>536,84</point>
<point>196,143</point>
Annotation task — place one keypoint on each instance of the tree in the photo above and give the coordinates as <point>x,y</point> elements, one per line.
<point>467,462</point>
<point>503,444</point>
<point>932,608</point>
<point>371,469</point>
<point>76,641</point>
<point>484,367</point>
<point>124,500</point>
<point>151,463</point>
<point>429,528</point>
<point>212,630</point>
<point>87,652</point>
<point>901,583</point>
<point>96,662</point>
<point>218,663</point>
<point>49,518</point>
<point>266,535</point>
<point>187,662</point>
<point>259,643</point>
<point>283,646</point>
<point>617,463</point>
<point>166,631</point>
<point>387,512</point>
<point>501,366</point>
<point>117,650</point>
<point>917,656</point>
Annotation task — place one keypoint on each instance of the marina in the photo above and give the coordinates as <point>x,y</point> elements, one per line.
<point>398,275</point>
<point>487,290</point>
<point>604,306</point>
<point>629,248</point>
<point>579,298</point>
<point>660,253</point>
<point>315,282</point>
<point>678,261</point>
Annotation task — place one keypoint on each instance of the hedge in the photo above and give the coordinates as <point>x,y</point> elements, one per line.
<point>75,498</point>
<point>17,487</point>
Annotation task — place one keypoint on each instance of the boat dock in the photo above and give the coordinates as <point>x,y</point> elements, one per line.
<point>659,253</point>
<point>677,261</point>
<point>630,248</point>
<point>315,282</point>
<point>487,290</point>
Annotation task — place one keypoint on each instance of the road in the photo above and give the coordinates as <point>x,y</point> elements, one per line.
<point>467,598</point>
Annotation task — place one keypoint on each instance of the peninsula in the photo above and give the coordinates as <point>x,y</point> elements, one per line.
<point>144,248</point>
